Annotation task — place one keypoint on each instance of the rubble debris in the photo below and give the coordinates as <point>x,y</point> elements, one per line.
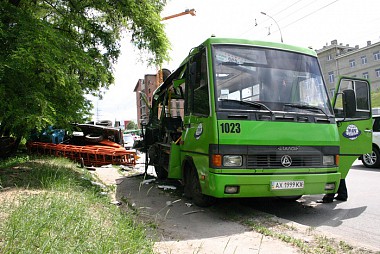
<point>125,168</point>
<point>98,184</point>
<point>191,212</point>
<point>148,181</point>
<point>167,187</point>
<point>118,203</point>
<point>170,203</point>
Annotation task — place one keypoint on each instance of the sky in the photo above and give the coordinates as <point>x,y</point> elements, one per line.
<point>305,23</point>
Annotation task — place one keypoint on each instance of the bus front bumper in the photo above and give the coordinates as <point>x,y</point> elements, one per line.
<point>231,185</point>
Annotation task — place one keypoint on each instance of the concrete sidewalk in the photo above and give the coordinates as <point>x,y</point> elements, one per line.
<point>182,226</point>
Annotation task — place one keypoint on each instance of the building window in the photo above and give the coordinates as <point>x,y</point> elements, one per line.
<point>332,92</point>
<point>329,58</point>
<point>377,73</point>
<point>352,63</point>
<point>376,55</point>
<point>331,77</point>
<point>365,75</point>
<point>364,59</point>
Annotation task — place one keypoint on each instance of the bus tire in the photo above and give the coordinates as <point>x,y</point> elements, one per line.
<point>93,138</point>
<point>194,187</point>
<point>161,173</point>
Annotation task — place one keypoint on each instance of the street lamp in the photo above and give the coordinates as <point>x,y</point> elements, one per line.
<point>274,22</point>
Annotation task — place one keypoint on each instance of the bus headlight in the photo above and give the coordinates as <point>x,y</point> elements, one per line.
<point>328,160</point>
<point>232,160</point>
<point>329,186</point>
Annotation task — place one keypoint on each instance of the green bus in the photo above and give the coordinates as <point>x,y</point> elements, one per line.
<point>242,118</point>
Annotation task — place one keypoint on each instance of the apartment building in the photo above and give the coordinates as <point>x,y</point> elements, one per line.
<point>146,87</point>
<point>343,60</point>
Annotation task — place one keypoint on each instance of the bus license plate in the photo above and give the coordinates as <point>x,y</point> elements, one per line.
<point>286,185</point>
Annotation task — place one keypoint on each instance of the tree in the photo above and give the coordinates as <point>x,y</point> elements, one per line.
<point>55,52</point>
<point>131,126</point>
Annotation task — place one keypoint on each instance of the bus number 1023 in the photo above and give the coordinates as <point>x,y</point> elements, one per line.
<point>230,127</point>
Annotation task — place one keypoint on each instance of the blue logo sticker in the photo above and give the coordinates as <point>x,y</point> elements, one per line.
<point>352,132</point>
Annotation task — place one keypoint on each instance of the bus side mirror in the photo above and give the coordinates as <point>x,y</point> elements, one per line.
<point>349,103</point>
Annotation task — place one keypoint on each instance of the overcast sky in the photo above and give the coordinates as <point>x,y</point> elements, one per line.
<point>305,23</point>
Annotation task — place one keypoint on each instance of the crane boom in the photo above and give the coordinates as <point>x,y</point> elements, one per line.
<point>187,11</point>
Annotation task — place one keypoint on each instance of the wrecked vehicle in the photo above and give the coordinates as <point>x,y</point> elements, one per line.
<point>91,145</point>
<point>256,121</point>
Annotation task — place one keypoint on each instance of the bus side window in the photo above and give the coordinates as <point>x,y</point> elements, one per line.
<point>198,93</point>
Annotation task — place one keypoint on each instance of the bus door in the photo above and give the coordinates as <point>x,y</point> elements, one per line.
<point>352,107</point>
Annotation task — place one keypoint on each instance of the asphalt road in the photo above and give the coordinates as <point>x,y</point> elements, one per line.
<point>354,221</point>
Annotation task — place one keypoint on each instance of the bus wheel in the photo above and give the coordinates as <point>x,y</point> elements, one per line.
<point>194,188</point>
<point>93,138</point>
<point>161,173</point>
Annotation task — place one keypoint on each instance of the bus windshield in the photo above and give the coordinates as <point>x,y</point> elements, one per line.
<point>256,78</point>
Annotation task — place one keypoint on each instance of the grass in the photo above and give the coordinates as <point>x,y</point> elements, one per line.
<point>49,205</point>
<point>375,99</point>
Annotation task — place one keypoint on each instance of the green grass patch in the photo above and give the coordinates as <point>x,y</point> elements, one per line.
<point>50,206</point>
<point>375,99</point>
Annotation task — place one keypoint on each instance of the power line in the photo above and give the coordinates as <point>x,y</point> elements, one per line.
<point>297,20</point>
<point>301,8</point>
<point>287,7</point>
<point>268,19</point>
<point>311,13</point>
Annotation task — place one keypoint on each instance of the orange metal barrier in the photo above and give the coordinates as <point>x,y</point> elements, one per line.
<point>92,155</point>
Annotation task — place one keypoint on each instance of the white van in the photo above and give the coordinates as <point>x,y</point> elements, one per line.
<point>372,160</point>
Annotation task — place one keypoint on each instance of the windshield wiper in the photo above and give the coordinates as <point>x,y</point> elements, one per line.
<point>307,107</point>
<point>250,103</point>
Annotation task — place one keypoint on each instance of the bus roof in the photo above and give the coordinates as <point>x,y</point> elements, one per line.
<point>266,44</point>
<point>278,45</point>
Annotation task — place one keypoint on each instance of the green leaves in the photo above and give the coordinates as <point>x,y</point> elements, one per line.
<point>54,52</point>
